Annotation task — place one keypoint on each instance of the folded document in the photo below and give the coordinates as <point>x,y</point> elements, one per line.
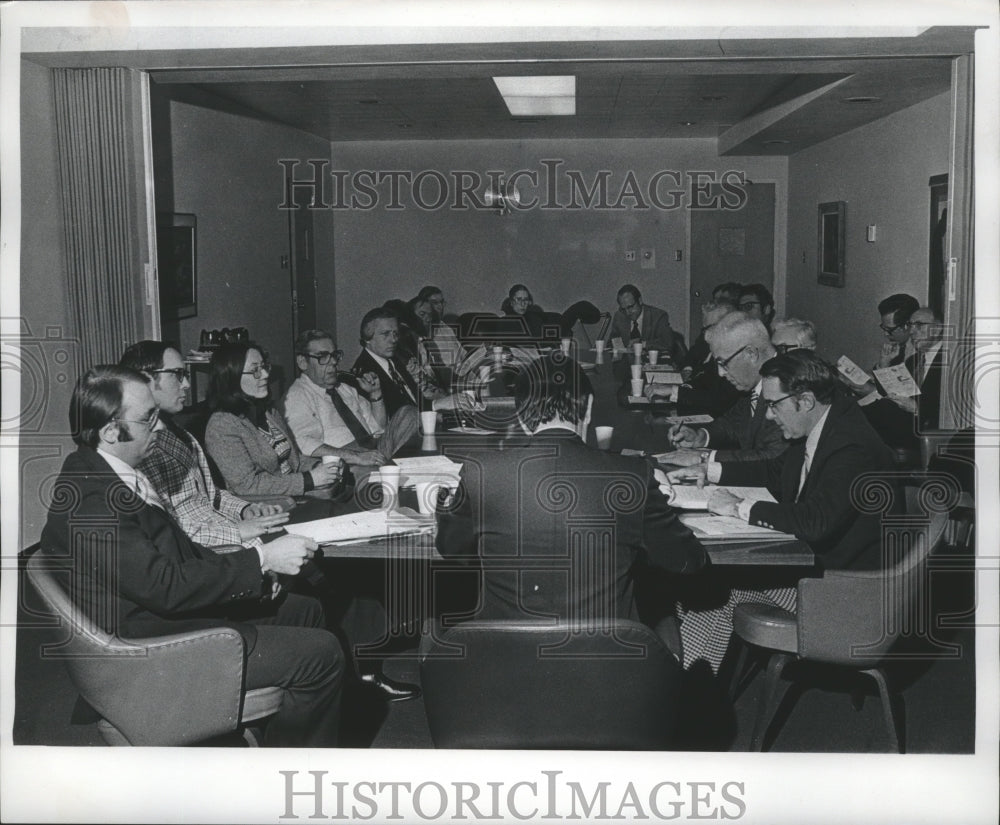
<point>368,524</point>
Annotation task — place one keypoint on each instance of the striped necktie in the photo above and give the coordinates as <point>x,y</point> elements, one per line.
<point>397,379</point>
<point>806,461</point>
<point>635,334</point>
<point>754,396</point>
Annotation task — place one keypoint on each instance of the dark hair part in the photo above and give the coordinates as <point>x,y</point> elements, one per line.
<point>516,288</point>
<point>224,391</point>
<point>306,337</point>
<point>901,305</point>
<point>550,387</point>
<point>802,370</point>
<point>145,356</point>
<point>760,292</point>
<point>630,289</point>
<point>427,291</point>
<point>97,398</point>
<point>373,315</point>
<point>727,292</point>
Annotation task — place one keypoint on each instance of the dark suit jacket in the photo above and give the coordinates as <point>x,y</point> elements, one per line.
<point>393,395</point>
<point>655,329</point>
<point>738,436</point>
<point>135,571</point>
<point>824,515</point>
<point>560,529</point>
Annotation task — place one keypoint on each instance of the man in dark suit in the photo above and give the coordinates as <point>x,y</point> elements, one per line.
<point>137,574</point>
<point>813,483</point>
<point>636,321</point>
<point>740,345</point>
<point>561,530</point>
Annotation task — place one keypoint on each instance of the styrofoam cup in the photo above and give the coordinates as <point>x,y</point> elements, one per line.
<point>654,356</point>
<point>389,479</point>
<point>637,384</point>
<point>564,345</point>
<point>636,371</point>
<point>599,346</point>
<point>427,496</point>
<point>637,349</point>
<point>428,422</point>
<point>603,436</point>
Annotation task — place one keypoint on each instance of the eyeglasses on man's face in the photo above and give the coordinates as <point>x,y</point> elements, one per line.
<point>521,299</point>
<point>783,348</point>
<point>150,422</point>
<point>892,329</point>
<point>748,305</point>
<point>325,356</point>
<point>724,362</point>
<point>259,370</point>
<point>772,403</point>
<point>180,373</point>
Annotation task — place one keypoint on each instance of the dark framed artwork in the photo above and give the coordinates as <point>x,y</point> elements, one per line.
<point>177,264</point>
<point>937,264</point>
<point>832,242</point>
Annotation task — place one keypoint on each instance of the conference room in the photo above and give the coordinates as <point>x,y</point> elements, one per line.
<point>542,226</point>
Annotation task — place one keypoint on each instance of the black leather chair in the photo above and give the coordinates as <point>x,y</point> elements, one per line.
<point>541,685</point>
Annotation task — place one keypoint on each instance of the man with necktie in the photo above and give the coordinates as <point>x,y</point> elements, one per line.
<point>329,417</point>
<point>636,321</point>
<point>831,446</point>
<point>137,574</point>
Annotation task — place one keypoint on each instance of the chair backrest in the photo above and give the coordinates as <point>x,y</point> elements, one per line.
<point>854,617</point>
<point>531,685</point>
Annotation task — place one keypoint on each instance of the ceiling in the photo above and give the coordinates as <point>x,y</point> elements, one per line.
<point>754,98</point>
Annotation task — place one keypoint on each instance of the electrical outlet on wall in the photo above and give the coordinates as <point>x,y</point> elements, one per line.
<point>629,254</point>
<point>648,259</point>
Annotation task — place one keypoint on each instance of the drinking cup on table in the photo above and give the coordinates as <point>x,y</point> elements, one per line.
<point>637,349</point>
<point>498,355</point>
<point>636,371</point>
<point>637,384</point>
<point>603,436</point>
<point>484,373</point>
<point>599,347</point>
<point>428,493</point>
<point>564,345</point>
<point>654,356</point>
<point>389,479</point>
<point>428,422</point>
<point>336,462</point>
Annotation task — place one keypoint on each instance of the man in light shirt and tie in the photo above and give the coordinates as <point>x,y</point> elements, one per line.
<point>832,445</point>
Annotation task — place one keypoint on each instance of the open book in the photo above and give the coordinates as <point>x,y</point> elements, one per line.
<point>364,526</point>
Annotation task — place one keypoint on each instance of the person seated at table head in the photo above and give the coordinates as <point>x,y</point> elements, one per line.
<point>813,483</point>
<point>757,302</point>
<point>739,344</point>
<point>139,575</point>
<point>249,439</point>
<point>792,333</point>
<point>177,467</point>
<point>511,510</point>
<point>519,301</point>
<point>330,417</point>
<point>728,293</point>
<point>637,321</point>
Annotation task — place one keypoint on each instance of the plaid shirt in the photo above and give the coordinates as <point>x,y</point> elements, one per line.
<point>179,472</point>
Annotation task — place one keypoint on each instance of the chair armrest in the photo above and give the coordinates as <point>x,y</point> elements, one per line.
<point>168,690</point>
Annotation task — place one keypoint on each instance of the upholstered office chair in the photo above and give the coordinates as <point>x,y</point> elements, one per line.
<point>168,690</point>
<point>849,618</point>
<point>530,685</point>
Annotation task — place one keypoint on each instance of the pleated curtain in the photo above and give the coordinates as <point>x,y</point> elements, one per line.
<point>94,145</point>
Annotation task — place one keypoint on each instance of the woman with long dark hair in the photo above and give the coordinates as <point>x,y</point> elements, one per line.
<point>248,437</point>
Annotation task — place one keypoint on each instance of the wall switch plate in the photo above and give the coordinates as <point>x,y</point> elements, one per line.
<point>871,233</point>
<point>678,255</point>
<point>629,254</point>
<point>648,259</point>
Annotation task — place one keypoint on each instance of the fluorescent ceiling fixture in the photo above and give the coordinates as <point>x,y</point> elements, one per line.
<point>538,95</point>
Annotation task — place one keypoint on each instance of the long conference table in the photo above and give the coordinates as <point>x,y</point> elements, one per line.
<point>633,423</point>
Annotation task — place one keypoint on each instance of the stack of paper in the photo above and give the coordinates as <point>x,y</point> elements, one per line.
<point>687,419</point>
<point>427,468</point>
<point>663,375</point>
<point>366,525</point>
<point>729,527</point>
<point>690,497</point>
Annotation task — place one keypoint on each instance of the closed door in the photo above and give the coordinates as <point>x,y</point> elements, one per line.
<point>731,245</point>
<point>303,268</point>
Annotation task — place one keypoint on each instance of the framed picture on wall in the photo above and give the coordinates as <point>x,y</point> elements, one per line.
<point>831,242</point>
<point>177,265</point>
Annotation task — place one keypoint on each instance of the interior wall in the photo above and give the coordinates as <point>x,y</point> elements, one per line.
<point>562,255</point>
<point>881,171</point>
<point>224,169</point>
<point>49,363</point>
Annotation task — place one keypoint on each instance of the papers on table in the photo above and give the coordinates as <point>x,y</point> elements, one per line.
<point>897,381</point>
<point>426,468</point>
<point>638,399</point>
<point>363,526</point>
<point>662,375</point>
<point>852,372</point>
<point>692,497</point>
<point>688,419</point>
<point>728,527</point>
<point>617,344</point>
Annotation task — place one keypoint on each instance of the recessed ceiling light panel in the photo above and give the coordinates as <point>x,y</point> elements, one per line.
<point>538,95</point>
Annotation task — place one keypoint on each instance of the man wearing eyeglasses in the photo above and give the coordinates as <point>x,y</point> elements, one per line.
<point>757,302</point>
<point>792,333</point>
<point>638,321</point>
<point>813,483</point>
<point>330,417</point>
<point>739,346</point>
<point>137,574</point>
<point>177,467</point>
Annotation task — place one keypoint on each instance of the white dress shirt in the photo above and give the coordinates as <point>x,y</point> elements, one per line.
<point>314,420</point>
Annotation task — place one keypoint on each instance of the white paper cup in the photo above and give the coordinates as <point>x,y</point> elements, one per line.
<point>637,384</point>
<point>637,349</point>
<point>599,347</point>
<point>654,356</point>
<point>564,345</point>
<point>336,462</point>
<point>603,436</point>
<point>429,443</point>
<point>636,371</point>
<point>389,479</point>
<point>428,422</point>
<point>427,496</point>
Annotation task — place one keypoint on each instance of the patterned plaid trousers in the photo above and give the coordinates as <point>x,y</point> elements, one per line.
<point>705,632</point>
